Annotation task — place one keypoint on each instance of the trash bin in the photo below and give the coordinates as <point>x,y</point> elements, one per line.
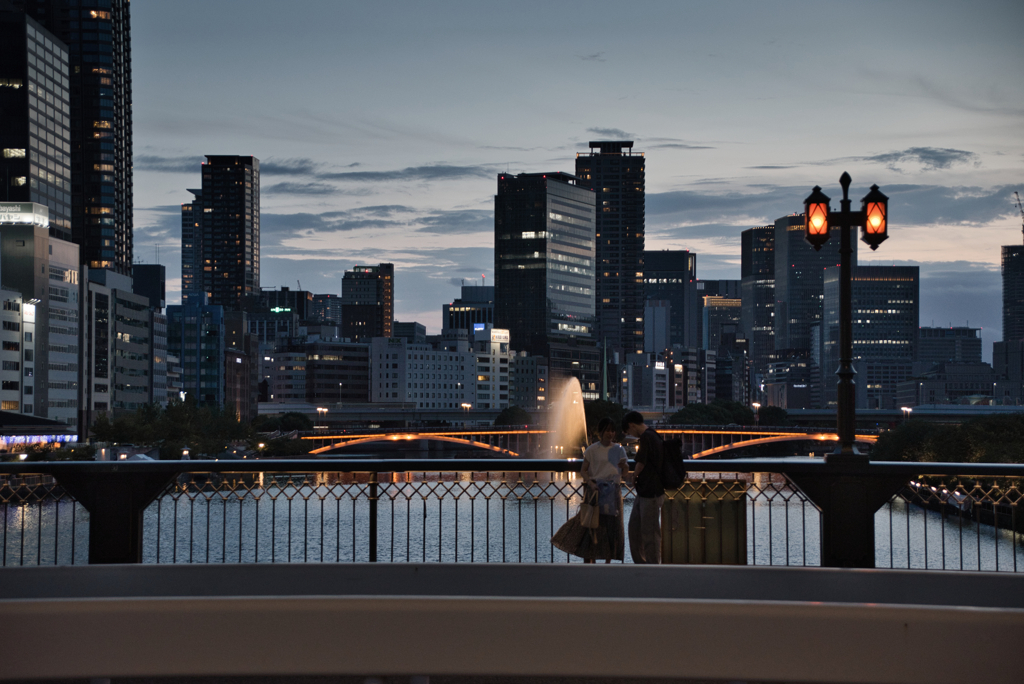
<point>705,522</point>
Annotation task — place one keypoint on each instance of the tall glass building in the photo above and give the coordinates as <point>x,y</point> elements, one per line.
<point>671,275</point>
<point>98,38</point>
<point>35,106</point>
<point>1013,292</point>
<point>616,175</point>
<point>544,267</point>
<point>220,234</point>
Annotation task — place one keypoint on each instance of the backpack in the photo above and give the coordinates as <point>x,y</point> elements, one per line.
<point>673,472</point>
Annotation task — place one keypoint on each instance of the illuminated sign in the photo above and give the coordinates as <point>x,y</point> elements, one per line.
<point>278,309</point>
<point>13,440</point>
<point>24,213</point>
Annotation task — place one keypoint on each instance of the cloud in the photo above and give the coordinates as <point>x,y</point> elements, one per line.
<point>929,158</point>
<point>611,133</point>
<point>152,162</point>
<point>596,57</point>
<point>769,167</point>
<point>679,146</point>
<point>412,173</point>
<point>458,221</point>
<point>300,189</point>
<point>289,167</point>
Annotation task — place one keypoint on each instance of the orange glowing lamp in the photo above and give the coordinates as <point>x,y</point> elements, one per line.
<point>876,218</point>
<point>816,211</point>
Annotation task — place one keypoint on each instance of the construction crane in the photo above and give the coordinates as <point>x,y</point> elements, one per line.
<point>1020,208</point>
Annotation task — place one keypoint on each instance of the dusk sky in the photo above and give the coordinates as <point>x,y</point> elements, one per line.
<point>381,128</point>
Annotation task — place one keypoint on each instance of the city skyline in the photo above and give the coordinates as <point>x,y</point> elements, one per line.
<point>381,130</point>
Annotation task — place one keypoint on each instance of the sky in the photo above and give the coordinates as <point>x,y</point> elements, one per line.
<point>381,128</point>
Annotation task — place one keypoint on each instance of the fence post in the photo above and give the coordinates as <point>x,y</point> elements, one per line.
<point>116,501</point>
<point>373,517</point>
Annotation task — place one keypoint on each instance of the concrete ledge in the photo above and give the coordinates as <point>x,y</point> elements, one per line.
<point>375,623</point>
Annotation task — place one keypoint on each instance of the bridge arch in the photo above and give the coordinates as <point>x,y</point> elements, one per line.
<point>496,452</point>
<point>820,437</point>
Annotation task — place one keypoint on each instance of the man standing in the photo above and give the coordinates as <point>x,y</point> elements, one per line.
<point>645,519</point>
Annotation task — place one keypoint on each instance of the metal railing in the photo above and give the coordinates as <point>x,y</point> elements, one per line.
<point>756,512</point>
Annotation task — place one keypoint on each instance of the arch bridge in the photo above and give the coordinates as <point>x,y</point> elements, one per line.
<point>701,441</point>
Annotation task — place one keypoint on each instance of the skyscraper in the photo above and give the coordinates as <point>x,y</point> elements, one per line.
<point>1013,292</point>
<point>35,139</point>
<point>886,305</point>
<point>368,302</point>
<point>671,275</point>
<point>220,234</point>
<point>757,290</point>
<point>544,272</point>
<point>98,36</point>
<point>616,176</point>
<point>798,282</point>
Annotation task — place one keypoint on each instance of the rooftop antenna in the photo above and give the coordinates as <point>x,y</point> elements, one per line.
<point>1020,207</point>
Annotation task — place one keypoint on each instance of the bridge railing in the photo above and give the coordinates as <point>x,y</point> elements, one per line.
<point>756,512</point>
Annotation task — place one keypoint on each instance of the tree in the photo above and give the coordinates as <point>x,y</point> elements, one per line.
<point>987,439</point>
<point>772,415</point>
<point>513,415</point>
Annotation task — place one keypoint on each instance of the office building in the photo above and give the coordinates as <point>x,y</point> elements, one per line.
<point>17,351</point>
<point>475,306</point>
<point>415,332</point>
<point>220,234</point>
<point>657,325</point>
<point>327,308</point>
<point>528,381</point>
<point>97,34</point>
<point>196,336</point>
<point>320,372</point>
<point>956,345</point>
<point>45,271</point>
<point>798,282</point>
<point>418,374</point>
<point>721,315</point>
<point>118,353</point>
<point>283,299</point>
<point>671,275</point>
<point>368,302</point>
<point>959,383</point>
<point>616,175</point>
<point>544,271</point>
<point>150,281</point>
<point>886,304</point>
<point>242,366</point>
<point>757,292</point>
<point>1013,292</point>
<point>35,105</point>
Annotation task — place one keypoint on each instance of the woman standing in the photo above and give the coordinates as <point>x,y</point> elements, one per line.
<point>604,468</point>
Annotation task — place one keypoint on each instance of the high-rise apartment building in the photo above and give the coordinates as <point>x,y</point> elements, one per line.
<point>35,105</point>
<point>196,336</point>
<point>757,290</point>
<point>616,175</point>
<point>886,305</point>
<point>798,282</point>
<point>368,302</point>
<point>671,275</point>
<point>327,308</point>
<point>220,233</point>
<point>544,272</point>
<point>98,38</point>
<point>1013,292</point>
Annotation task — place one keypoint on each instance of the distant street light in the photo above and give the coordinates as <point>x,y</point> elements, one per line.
<point>756,416</point>
<point>906,412</point>
<point>321,412</point>
<point>873,218</point>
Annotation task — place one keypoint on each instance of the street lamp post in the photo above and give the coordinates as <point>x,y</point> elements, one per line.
<point>756,418</point>
<point>873,218</point>
<point>320,415</point>
<point>906,412</point>
<point>850,493</point>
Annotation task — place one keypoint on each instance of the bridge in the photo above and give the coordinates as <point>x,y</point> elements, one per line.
<point>512,441</point>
